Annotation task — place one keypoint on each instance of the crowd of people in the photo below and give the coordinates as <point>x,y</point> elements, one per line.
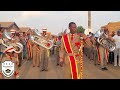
<point>101,55</point>
<point>92,49</point>
<point>67,49</point>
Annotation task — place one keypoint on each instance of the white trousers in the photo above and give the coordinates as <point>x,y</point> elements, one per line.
<point>116,53</point>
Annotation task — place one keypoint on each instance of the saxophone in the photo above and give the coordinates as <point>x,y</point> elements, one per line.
<point>40,40</point>
<point>102,39</point>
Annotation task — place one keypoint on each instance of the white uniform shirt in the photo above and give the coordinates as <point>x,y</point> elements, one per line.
<point>117,41</point>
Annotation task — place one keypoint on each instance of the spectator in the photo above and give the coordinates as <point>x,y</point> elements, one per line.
<point>116,39</point>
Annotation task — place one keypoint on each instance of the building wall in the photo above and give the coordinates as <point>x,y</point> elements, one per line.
<point>114,26</point>
<point>29,31</point>
<point>13,27</point>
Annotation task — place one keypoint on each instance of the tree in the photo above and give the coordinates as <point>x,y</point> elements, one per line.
<point>80,29</point>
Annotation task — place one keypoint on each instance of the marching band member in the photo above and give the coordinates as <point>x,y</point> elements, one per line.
<point>103,54</point>
<point>58,43</point>
<point>44,52</point>
<point>9,54</point>
<point>19,54</point>
<point>70,47</point>
<point>29,47</point>
<point>1,46</point>
<point>90,50</point>
<point>24,41</point>
<point>86,50</point>
<point>95,54</point>
<point>16,38</point>
<point>35,54</point>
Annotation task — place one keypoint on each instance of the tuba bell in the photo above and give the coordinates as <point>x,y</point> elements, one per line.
<point>40,40</point>
<point>102,39</point>
<point>18,47</point>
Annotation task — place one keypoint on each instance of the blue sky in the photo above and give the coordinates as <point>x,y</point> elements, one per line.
<point>56,21</point>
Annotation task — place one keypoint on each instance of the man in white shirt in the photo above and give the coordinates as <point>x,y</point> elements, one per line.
<point>117,50</point>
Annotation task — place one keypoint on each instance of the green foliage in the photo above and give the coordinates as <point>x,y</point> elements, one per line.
<point>80,29</point>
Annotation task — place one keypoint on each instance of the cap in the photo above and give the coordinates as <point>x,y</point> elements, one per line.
<point>44,29</point>
<point>59,34</point>
<point>12,30</point>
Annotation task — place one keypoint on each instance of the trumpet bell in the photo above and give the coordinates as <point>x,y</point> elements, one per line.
<point>7,35</point>
<point>107,44</point>
<point>103,41</point>
<point>36,31</point>
<point>18,47</point>
<point>40,40</point>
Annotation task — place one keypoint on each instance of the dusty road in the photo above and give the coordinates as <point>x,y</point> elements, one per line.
<point>55,72</point>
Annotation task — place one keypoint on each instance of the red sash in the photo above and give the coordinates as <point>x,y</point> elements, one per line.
<point>99,59</point>
<point>106,55</point>
<point>72,60</point>
<point>29,49</point>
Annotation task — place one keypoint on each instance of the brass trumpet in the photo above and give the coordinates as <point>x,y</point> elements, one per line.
<point>102,39</point>
<point>18,47</point>
<point>40,40</point>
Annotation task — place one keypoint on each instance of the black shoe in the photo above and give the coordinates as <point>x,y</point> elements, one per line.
<point>61,65</point>
<point>28,58</point>
<point>19,65</point>
<point>102,69</point>
<point>24,57</point>
<point>45,70</point>
<point>105,68</point>
<point>57,64</point>
<point>42,70</point>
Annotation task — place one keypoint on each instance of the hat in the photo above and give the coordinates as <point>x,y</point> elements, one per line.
<point>9,49</point>
<point>44,29</point>
<point>59,34</point>
<point>12,30</point>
